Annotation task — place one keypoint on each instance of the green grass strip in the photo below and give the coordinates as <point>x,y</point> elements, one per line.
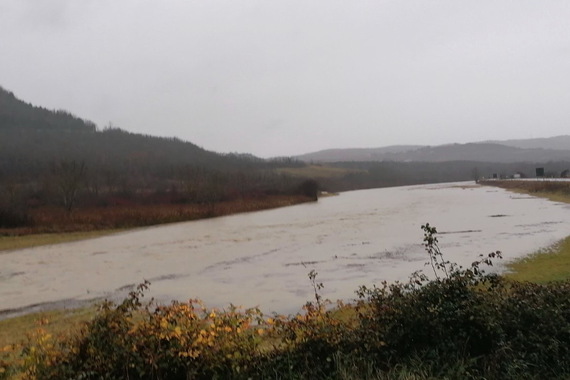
<point>8,243</point>
<point>549,264</point>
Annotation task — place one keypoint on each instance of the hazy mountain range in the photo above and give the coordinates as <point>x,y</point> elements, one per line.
<point>507,151</point>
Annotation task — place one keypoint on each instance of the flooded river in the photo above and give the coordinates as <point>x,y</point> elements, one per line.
<point>263,258</point>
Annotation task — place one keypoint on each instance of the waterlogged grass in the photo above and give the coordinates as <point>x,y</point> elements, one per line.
<point>547,264</point>
<point>552,190</point>
<point>550,264</point>
<point>555,197</point>
<point>8,243</point>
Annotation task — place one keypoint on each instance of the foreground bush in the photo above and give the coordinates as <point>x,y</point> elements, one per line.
<point>462,323</point>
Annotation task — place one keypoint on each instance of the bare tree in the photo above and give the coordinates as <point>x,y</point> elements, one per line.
<point>69,177</point>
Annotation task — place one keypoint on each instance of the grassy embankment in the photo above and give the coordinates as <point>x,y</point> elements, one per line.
<point>15,330</point>
<point>551,263</point>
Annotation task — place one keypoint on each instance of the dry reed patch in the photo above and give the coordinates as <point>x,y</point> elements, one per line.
<point>50,220</point>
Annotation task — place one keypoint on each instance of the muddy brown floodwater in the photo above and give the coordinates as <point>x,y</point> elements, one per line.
<point>263,258</point>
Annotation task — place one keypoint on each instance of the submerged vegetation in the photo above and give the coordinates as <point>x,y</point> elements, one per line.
<point>557,191</point>
<point>463,323</point>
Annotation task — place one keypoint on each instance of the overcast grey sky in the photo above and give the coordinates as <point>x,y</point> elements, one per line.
<point>290,77</point>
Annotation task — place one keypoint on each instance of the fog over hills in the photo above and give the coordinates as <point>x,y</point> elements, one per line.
<point>556,142</point>
<point>357,154</point>
<point>508,151</point>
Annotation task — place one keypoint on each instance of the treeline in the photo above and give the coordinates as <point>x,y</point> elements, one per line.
<point>16,114</point>
<point>32,137</point>
<point>86,168</point>
<point>52,159</point>
<point>74,185</point>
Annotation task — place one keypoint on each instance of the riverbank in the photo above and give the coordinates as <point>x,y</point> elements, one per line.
<point>556,191</point>
<point>549,263</point>
<point>360,238</point>
<point>311,329</point>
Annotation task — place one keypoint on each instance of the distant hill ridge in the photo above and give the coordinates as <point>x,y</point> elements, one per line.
<point>15,113</point>
<point>32,137</point>
<point>557,142</point>
<point>507,151</point>
<point>36,134</point>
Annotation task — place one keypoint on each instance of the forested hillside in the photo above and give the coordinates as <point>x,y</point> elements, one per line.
<point>33,136</point>
<point>16,114</point>
<point>54,159</point>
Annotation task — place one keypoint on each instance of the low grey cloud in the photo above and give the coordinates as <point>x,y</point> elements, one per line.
<point>283,78</point>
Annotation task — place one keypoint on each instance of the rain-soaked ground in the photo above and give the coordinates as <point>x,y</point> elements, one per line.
<point>263,258</point>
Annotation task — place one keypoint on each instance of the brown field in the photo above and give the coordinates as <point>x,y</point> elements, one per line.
<point>49,220</point>
<point>317,171</point>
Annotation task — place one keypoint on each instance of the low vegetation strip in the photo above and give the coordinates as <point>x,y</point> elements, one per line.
<point>558,191</point>
<point>462,324</point>
<point>53,220</point>
<point>13,242</point>
<point>548,264</point>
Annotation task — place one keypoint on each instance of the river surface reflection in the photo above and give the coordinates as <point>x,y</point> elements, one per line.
<point>263,258</point>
